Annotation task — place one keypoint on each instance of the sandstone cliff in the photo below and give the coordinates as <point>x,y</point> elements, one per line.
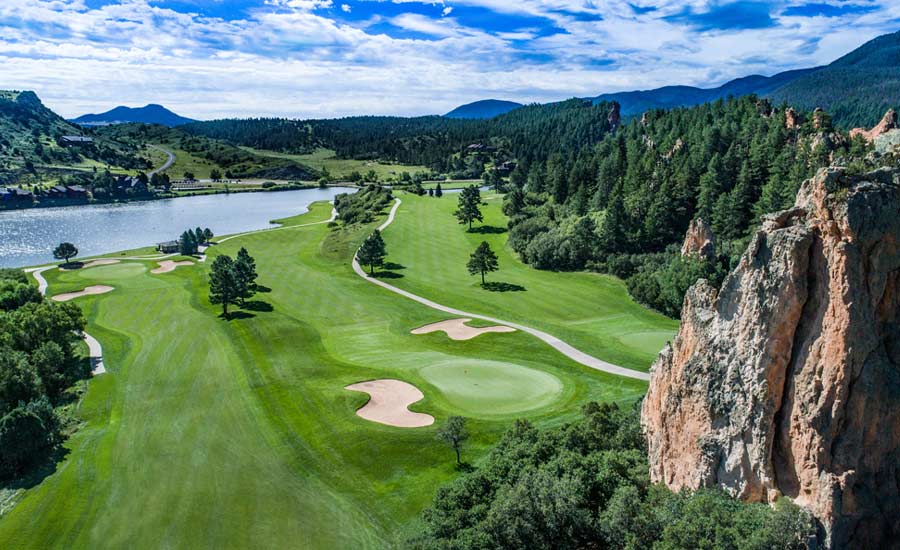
<point>699,241</point>
<point>786,381</point>
<point>888,123</point>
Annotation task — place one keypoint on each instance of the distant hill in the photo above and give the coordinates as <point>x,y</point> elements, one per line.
<point>488,108</point>
<point>855,90</point>
<point>668,97</point>
<point>151,114</point>
<point>34,140</point>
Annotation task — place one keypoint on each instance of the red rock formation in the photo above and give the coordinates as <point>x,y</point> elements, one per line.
<point>699,240</point>
<point>888,123</point>
<point>786,381</point>
<point>818,118</point>
<point>792,119</point>
<point>615,115</point>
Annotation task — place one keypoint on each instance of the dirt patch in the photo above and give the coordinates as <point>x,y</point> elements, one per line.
<point>169,265</point>
<point>388,403</point>
<point>94,263</point>
<point>457,329</point>
<point>89,291</point>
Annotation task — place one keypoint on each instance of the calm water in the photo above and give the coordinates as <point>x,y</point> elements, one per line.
<point>28,237</point>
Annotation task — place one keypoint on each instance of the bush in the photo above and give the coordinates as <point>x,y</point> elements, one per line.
<point>268,184</point>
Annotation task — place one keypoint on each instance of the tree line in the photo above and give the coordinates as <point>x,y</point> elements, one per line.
<point>586,484</point>
<point>38,367</point>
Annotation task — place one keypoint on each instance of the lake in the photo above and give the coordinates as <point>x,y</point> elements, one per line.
<point>28,237</point>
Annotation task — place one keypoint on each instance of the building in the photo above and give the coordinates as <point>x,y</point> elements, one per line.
<point>76,140</point>
<point>168,247</point>
<point>76,192</point>
<point>57,192</point>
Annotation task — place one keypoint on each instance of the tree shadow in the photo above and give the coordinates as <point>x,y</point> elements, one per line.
<point>488,230</point>
<point>496,286</point>
<point>72,266</point>
<point>391,266</point>
<point>263,289</point>
<point>387,275</point>
<point>44,468</point>
<point>232,315</point>
<point>257,305</point>
<point>465,467</point>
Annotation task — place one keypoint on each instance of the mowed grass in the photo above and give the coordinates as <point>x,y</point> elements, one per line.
<point>209,433</point>
<point>589,311</point>
<point>325,159</point>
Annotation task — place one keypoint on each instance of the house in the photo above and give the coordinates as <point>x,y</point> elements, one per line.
<point>124,183</point>
<point>57,192</point>
<point>7,195</point>
<point>20,195</point>
<point>76,140</point>
<point>168,247</point>
<point>76,192</point>
<point>506,168</point>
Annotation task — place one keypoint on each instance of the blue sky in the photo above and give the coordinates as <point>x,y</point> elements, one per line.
<point>322,58</point>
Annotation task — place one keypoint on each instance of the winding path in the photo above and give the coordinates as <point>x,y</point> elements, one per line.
<point>169,162</point>
<point>553,341</point>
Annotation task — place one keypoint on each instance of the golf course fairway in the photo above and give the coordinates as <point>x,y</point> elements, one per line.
<point>213,433</point>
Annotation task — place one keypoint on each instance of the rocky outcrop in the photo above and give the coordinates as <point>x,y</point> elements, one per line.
<point>888,123</point>
<point>818,118</point>
<point>793,120</point>
<point>615,115</point>
<point>786,380</point>
<point>699,241</point>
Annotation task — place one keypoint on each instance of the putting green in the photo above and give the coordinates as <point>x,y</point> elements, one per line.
<point>653,339</point>
<point>113,272</point>
<point>484,387</point>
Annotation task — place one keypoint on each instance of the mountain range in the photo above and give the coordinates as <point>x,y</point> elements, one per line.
<point>856,89</point>
<point>149,114</point>
<point>487,108</point>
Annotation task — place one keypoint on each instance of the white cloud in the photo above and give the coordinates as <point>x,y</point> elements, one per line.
<point>345,8</point>
<point>288,58</point>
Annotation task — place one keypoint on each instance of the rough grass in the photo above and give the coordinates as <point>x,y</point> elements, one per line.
<point>210,433</point>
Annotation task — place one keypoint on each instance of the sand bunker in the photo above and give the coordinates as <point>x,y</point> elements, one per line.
<point>94,263</point>
<point>388,403</point>
<point>168,265</point>
<point>91,290</point>
<point>457,329</point>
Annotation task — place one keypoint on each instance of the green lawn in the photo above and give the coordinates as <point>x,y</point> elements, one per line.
<point>209,433</point>
<point>342,168</point>
<point>592,312</point>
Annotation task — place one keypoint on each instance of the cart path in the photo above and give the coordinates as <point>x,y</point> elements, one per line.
<point>561,346</point>
<point>169,162</point>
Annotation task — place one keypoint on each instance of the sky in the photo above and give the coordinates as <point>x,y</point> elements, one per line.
<point>210,59</point>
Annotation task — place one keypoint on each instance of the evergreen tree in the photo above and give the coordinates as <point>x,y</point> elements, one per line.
<point>469,206</point>
<point>372,252</point>
<point>482,261</point>
<point>187,244</point>
<point>438,192</point>
<point>223,284</point>
<point>245,274</point>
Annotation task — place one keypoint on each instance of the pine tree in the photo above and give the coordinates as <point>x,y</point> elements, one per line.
<point>469,206</point>
<point>223,285</point>
<point>372,252</point>
<point>245,274</point>
<point>482,261</point>
<point>438,192</point>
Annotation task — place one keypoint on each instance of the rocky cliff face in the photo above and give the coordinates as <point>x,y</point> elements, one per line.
<point>888,123</point>
<point>615,115</point>
<point>699,241</point>
<point>786,381</point>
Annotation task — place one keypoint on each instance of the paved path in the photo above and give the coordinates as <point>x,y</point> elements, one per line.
<point>169,162</point>
<point>94,348</point>
<point>553,341</point>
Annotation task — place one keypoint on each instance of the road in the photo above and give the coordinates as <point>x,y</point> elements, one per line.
<point>169,162</point>
<point>562,347</point>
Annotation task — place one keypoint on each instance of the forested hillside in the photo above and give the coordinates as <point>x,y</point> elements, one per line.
<point>624,205</point>
<point>32,143</point>
<point>856,89</point>
<point>527,133</point>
